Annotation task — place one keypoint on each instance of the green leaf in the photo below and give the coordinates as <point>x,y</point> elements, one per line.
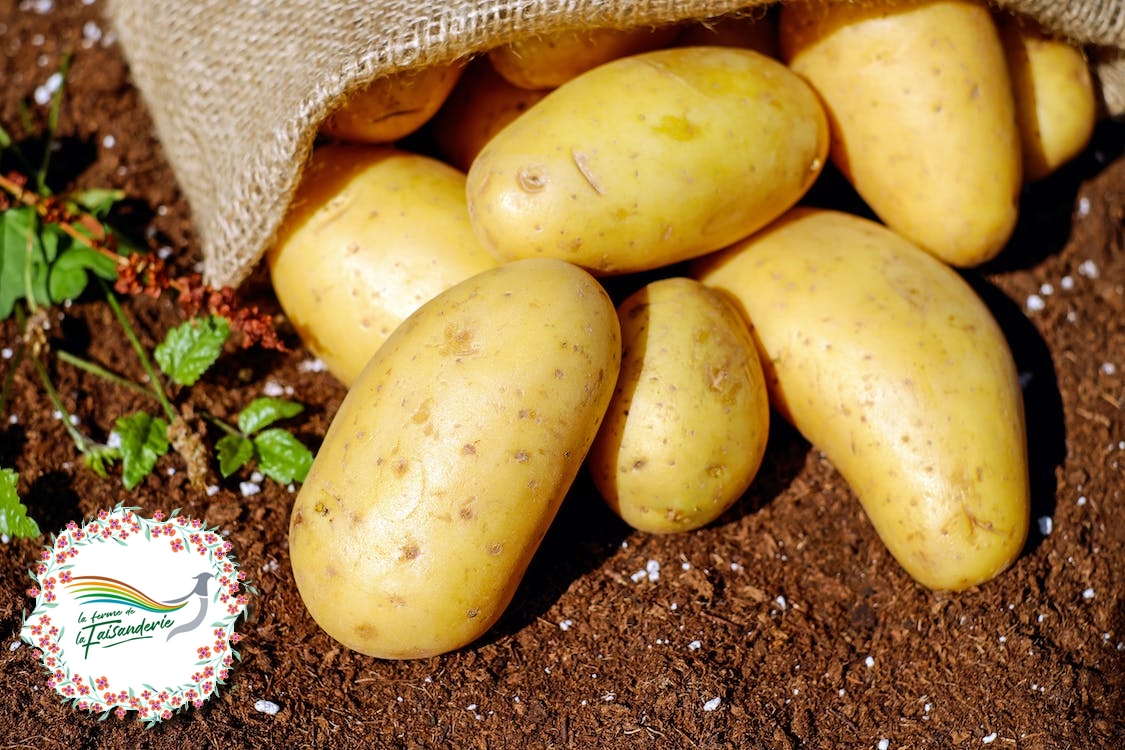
<point>21,252</point>
<point>281,456</point>
<point>144,439</point>
<point>98,459</point>
<point>98,201</point>
<point>51,239</point>
<point>69,277</point>
<point>13,514</point>
<point>192,347</point>
<point>262,412</point>
<point>233,451</point>
<point>11,280</point>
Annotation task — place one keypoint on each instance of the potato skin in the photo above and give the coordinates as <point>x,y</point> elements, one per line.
<point>1055,103</point>
<point>392,107</point>
<point>686,430</point>
<point>547,62</point>
<point>888,362</point>
<point>479,107</point>
<point>449,457</point>
<point>371,234</point>
<point>922,113</point>
<point>649,160</point>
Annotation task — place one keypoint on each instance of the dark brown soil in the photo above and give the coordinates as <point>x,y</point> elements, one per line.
<point>789,611</point>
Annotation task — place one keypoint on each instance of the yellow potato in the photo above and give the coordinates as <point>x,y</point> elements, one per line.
<point>481,104</point>
<point>394,106</point>
<point>1055,102</point>
<point>889,363</point>
<point>371,234</point>
<point>755,30</point>
<point>649,160</point>
<point>550,61</point>
<point>449,457</point>
<point>686,430</point>
<point>923,120</point>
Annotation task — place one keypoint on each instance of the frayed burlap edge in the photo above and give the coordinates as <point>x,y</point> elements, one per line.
<point>237,90</point>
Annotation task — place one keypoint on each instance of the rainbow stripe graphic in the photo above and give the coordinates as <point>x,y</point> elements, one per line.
<point>103,590</point>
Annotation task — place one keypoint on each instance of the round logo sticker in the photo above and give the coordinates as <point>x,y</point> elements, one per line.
<point>136,614</point>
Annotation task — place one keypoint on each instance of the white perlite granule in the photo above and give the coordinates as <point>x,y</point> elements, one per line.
<point>1089,269</point>
<point>43,94</point>
<point>312,365</point>
<point>266,707</point>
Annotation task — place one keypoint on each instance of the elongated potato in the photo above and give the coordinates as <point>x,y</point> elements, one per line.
<point>923,119</point>
<point>479,107</point>
<point>371,234</point>
<point>547,62</point>
<point>686,430</point>
<point>1055,103</point>
<point>449,457</point>
<point>888,362</point>
<point>392,107</point>
<point>649,160</point>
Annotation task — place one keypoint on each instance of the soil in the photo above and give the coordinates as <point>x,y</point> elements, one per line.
<point>786,624</point>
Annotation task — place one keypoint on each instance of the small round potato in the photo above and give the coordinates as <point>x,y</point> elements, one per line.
<point>687,427</point>
<point>392,107</point>
<point>649,160</point>
<point>371,234</point>
<point>449,457</point>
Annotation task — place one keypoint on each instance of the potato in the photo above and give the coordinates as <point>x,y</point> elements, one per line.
<point>649,160</point>
<point>755,30</point>
<point>923,120</point>
<point>1054,92</point>
<point>546,62</point>
<point>889,363</point>
<point>371,234</point>
<point>686,430</point>
<point>394,106</point>
<point>449,457</point>
<point>480,106</point>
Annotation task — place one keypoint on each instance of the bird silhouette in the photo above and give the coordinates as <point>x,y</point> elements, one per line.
<point>200,590</point>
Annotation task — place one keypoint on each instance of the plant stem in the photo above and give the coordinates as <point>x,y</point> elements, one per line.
<point>142,355</point>
<point>81,442</point>
<point>29,247</point>
<point>52,127</point>
<point>96,369</point>
<point>223,425</point>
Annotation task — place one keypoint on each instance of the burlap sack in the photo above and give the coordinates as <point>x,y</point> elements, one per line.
<point>237,88</point>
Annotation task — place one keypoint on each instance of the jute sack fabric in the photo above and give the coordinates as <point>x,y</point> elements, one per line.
<point>238,88</point>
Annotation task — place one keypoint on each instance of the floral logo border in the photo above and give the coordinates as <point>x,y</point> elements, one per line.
<point>94,693</point>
